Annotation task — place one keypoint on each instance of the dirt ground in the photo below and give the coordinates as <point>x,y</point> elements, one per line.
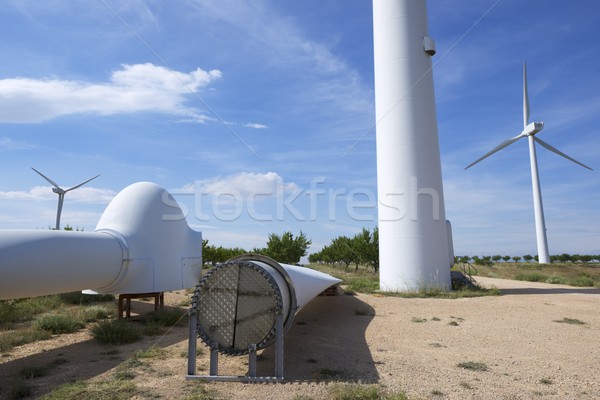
<point>409,345</point>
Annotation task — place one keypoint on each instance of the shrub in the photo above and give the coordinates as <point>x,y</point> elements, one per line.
<point>33,372</point>
<point>555,279</point>
<point>80,298</point>
<point>531,277</point>
<point>26,309</point>
<point>167,316</point>
<point>115,332</point>
<point>10,339</point>
<point>93,313</point>
<point>362,285</point>
<point>58,323</point>
<point>582,281</point>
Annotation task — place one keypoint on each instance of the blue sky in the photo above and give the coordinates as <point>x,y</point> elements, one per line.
<point>258,116</point>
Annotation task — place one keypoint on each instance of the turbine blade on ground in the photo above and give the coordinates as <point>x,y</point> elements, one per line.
<point>560,153</point>
<point>497,148</point>
<point>46,178</point>
<point>82,183</point>
<point>525,97</point>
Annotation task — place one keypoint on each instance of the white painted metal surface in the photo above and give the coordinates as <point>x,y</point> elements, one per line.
<point>413,240</point>
<point>141,244</point>
<point>308,283</point>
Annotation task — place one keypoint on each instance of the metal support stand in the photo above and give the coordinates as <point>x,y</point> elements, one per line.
<point>214,357</point>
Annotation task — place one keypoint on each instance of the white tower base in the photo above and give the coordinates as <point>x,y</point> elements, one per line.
<point>413,240</point>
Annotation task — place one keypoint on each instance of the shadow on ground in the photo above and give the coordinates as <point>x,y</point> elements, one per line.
<point>585,291</point>
<point>78,361</point>
<point>326,342</point>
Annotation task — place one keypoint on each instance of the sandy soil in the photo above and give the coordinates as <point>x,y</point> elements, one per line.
<point>409,345</point>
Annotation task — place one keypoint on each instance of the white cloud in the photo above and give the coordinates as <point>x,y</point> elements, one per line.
<point>254,125</point>
<point>244,185</point>
<point>133,88</point>
<point>41,193</point>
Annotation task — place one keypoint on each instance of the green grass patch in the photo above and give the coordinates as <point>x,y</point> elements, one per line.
<point>93,313</point>
<point>437,293</point>
<point>574,274</point>
<point>531,277</point>
<point>362,392</point>
<point>21,310</point>
<point>152,352</point>
<point>105,390</point>
<point>14,338</point>
<point>115,332</point>
<point>557,280</point>
<point>362,285</point>
<point>167,316</point>
<point>58,323</point>
<point>582,281</point>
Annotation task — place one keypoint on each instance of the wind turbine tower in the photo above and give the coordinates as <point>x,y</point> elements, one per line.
<point>61,193</point>
<point>529,131</point>
<point>414,238</point>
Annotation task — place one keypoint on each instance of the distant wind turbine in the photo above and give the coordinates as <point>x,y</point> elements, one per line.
<point>529,130</point>
<point>61,193</point>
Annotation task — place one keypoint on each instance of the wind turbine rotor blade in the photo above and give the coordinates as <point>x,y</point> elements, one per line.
<point>560,153</point>
<point>82,183</point>
<point>525,97</point>
<point>496,149</point>
<point>46,178</point>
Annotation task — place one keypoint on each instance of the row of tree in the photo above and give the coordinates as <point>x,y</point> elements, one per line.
<point>285,248</point>
<point>361,249</point>
<point>558,258</point>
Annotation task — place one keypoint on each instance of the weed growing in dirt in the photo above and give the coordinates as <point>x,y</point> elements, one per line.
<point>582,281</point>
<point>418,320</point>
<point>115,332</point>
<point>10,339</point>
<point>473,366</point>
<point>167,316</point>
<point>329,374</point>
<point>362,392</point>
<point>93,313</point>
<point>546,381</point>
<point>114,390</point>
<point>531,277</point>
<point>555,279</point>
<point>26,309</point>
<point>200,392</point>
<point>20,390</point>
<point>570,321</point>
<point>58,323</point>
